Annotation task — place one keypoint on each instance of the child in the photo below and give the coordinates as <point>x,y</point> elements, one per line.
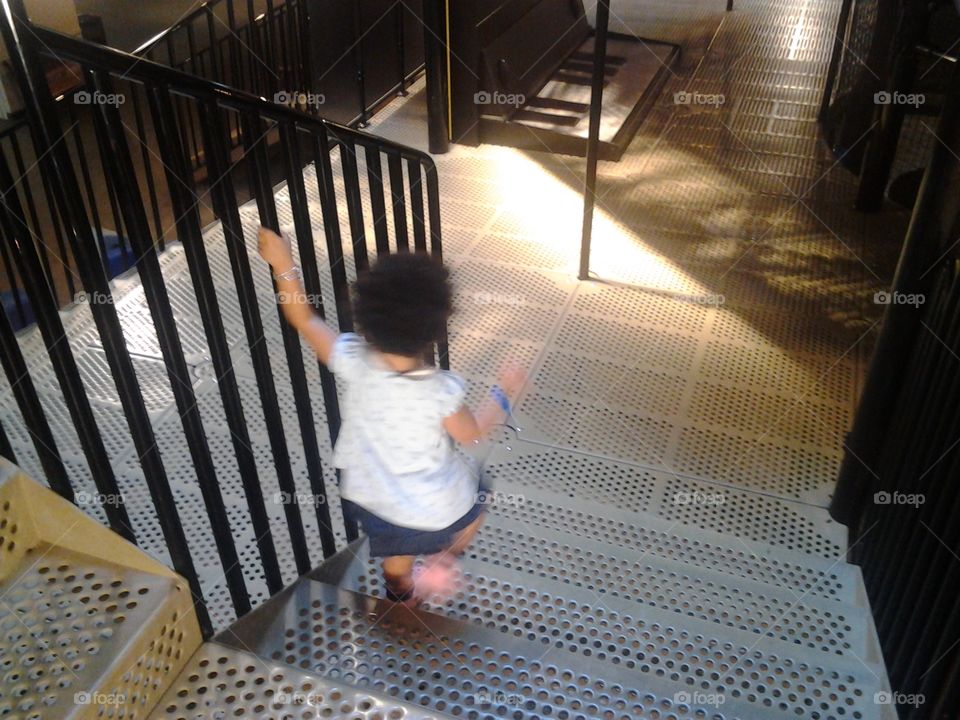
<point>401,478</point>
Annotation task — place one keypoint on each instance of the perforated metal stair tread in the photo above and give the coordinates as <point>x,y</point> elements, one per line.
<point>692,653</point>
<point>817,623</point>
<point>655,536</point>
<point>459,668</point>
<point>64,618</point>
<point>752,516</point>
<point>222,682</point>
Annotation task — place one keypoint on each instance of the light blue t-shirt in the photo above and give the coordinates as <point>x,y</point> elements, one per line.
<point>398,461</point>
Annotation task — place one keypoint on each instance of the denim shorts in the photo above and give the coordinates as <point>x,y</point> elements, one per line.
<point>387,539</point>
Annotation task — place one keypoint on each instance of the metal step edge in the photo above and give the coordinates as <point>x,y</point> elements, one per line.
<point>748,559</point>
<point>825,625</point>
<point>652,642</point>
<point>456,667</point>
<point>222,682</point>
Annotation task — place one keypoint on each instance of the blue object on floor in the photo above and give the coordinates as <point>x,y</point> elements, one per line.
<point>13,311</point>
<point>119,258</point>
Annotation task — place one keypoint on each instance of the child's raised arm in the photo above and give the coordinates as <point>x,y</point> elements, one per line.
<point>466,427</point>
<point>275,249</point>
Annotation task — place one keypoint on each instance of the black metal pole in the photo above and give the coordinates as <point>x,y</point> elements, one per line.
<point>401,48</point>
<point>358,59</point>
<point>435,58</point>
<point>593,140</point>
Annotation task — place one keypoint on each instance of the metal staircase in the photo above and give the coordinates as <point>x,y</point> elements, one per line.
<point>595,590</point>
<point>647,620</point>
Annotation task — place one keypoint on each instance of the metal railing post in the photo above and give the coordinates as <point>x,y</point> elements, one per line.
<point>593,140</point>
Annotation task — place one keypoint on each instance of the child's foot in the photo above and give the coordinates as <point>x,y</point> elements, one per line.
<point>438,578</point>
<point>407,597</point>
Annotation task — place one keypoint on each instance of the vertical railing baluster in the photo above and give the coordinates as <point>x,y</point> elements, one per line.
<point>25,183</point>
<point>331,229</point>
<point>358,58</point>
<point>304,62</point>
<point>416,205</point>
<point>178,107</point>
<point>193,57</point>
<point>146,158</point>
<point>271,42</point>
<point>25,393</point>
<point>398,201</point>
<point>61,234</point>
<point>401,47</point>
<point>213,45</point>
<point>351,186</point>
<point>256,56</point>
<point>84,164</point>
<point>338,271</point>
<point>436,246</point>
<point>190,234</point>
<point>377,205</point>
<point>290,142</point>
<point>236,66</point>
<point>227,209</point>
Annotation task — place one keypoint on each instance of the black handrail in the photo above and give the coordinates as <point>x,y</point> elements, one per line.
<point>134,68</point>
<point>229,121</point>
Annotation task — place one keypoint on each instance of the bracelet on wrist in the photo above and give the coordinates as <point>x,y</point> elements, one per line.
<point>501,398</point>
<point>293,273</point>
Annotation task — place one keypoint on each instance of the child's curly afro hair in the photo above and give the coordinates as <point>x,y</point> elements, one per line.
<point>402,303</point>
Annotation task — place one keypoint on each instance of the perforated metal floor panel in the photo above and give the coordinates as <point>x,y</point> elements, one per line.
<point>469,671</point>
<point>650,642</point>
<point>221,682</point>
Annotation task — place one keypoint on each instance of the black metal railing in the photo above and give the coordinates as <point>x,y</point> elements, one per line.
<point>897,488</point>
<point>128,117</point>
<point>339,61</point>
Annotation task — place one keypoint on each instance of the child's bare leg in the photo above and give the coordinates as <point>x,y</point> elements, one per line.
<point>398,574</point>
<point>463,538</point>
